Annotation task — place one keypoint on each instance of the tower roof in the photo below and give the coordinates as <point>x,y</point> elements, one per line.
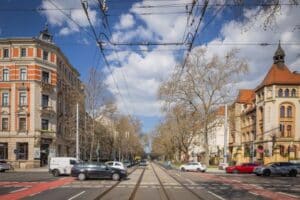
<point>245,96</point>
<point>279,55</point>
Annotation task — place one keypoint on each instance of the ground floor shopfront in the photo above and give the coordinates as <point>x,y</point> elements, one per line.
<point>27,152</point>
<point>265,151</point>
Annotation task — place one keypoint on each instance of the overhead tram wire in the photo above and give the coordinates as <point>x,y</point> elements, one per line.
<point>107,26</point>
<point>103,55</point>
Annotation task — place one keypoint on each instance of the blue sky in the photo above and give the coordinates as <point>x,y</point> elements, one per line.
<point>138,71</point>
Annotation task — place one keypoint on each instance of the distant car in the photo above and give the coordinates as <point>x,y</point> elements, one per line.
<point>143,163</point>
<point>61,165</point>
<point>276,168</point>
<point>193,166</point>
<point>85,171</point>
<point>127,163</point>
<point>116,164</point>
<point>4,166</point>
<point>222,166</point>
<point>243,168</point>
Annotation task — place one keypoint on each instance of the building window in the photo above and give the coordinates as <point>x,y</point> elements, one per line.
<point>45,77</point>
<point>281,129</point>
<point>5,53</point>
<point>5,124</point>
<point>23,74</point>
<point>5,101</point>
<point>45,55</point>
<point>22,151</point>
<point>23,52</point>
<point>3,151</point>
<point>5,75</point>
<point>45,124</point>
<point>293,94</point>
<point>289,130</point>
<point>280,92</point>
<point>23,99</point>
<point>289,111</point>
<point>45,101</point>
<point>286,93</point>
<point>22,124</point>
<point>281,148</point>
<point>282,111</point>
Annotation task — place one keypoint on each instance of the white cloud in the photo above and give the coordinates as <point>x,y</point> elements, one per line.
<point>144,71</point>
<point>126,21</point>
<point>73,9</point>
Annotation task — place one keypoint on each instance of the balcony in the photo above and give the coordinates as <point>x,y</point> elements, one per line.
<point>48,133</point>
<point>47,87</point>
<point>48,111</point>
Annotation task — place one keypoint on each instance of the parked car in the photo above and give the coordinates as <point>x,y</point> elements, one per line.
<point>127,163</point>
<point>243,168</point>
<point>61,165</point>
<point>116,164</point>
<point>297,165</point>
<point>85,171</point>
<point>4,166</point>
<point>143,163</point>
<point>276,168</point>
<point>222,166</point>
<point>193,166</point>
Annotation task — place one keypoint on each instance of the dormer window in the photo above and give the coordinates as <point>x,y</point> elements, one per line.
<point>286,93</point>
<point>280,92</point>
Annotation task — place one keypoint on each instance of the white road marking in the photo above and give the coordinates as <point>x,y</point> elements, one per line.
<point>190,181</point>
<point>77,195</point>
<point>34,194</point>
<point>295,196</point>
<point>216,195</point>
<point>253,193</point>
<point>19,190</point>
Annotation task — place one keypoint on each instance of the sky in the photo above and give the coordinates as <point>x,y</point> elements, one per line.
<point>136,72</point>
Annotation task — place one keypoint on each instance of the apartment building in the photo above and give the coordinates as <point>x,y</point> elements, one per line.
<point>38,92</point>
<point>267,118</point>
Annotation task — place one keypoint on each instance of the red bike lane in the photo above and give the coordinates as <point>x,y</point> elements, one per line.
<point>36,188</point>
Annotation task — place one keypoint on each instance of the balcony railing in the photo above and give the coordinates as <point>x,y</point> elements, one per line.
<point>49,111</point>
<point>47,86</point>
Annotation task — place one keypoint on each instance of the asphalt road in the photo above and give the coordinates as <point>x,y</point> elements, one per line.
<point>151,182</point>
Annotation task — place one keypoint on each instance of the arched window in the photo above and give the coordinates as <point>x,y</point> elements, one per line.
<point>289,130</point>
<point>280,92</point>
<point>286,93</point>
<point>282,113</point>
<point>289,112</point>
<point>293,94</point>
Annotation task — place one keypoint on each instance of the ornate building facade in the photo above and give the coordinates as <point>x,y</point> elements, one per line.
<point>266,125</point>
<point>38,86</point>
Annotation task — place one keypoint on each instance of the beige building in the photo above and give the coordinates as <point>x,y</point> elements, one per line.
<point>266,124</point>
<point>38,87</point>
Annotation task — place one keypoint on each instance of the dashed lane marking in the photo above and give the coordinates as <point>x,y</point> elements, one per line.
<point>291,195</point>
<point>253,193</point>
<point>18,190</point>
<point>219,197</point>
<point>77,195</point>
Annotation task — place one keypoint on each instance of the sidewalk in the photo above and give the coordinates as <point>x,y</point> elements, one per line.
<point>38,169</point>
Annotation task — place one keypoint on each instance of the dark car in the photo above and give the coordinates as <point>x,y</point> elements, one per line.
<point>97,170</point>
<point>4,166</point>
<point>243,168</point>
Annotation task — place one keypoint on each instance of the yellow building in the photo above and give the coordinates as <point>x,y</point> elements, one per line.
<point>265,127</point>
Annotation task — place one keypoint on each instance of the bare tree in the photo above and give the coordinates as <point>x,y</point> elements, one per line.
<point>204,85</point>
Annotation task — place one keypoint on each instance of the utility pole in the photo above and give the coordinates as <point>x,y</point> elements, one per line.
<point>77,131</point>
<point>225,135</point>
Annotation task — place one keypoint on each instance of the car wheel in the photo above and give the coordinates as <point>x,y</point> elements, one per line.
<point>198,169</point>
<point>183,169</point>
<point>81,176</point>
<point>115,177</point>
<point>55,172</point>
<point>293,173</point>
<point>258,174</point>
<point>266,172</point>
<point>235,171</point>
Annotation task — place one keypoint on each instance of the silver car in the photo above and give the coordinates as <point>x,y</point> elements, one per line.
<point>276,168</point>
<point>4,166</point>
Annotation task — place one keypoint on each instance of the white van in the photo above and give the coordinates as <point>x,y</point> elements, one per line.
<point>61,165</point>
